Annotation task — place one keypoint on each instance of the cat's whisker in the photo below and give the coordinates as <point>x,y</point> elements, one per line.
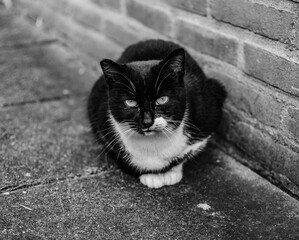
<point>132,132</point>
<point>170,133</point>
<point>96,119</point>
<point>175,121</point>
<point>166,134</point>
<point>128,133</point>
<point>106,134</point>
<point>186,123</point>
<point>113,141</point>
<point>192,126</point>
<point>118,154</point>
<point>173,133</point>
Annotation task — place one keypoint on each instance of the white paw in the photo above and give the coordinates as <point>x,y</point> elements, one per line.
<point>172,177</point>
<point>159,180</point>
<point>152,180</point>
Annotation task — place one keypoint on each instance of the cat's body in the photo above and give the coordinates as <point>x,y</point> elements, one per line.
<point>155,110</point>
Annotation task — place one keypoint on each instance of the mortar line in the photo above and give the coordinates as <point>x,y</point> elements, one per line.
<point>43,100</point>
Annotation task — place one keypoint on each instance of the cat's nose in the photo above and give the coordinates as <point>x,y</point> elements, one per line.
<point>147,120</point>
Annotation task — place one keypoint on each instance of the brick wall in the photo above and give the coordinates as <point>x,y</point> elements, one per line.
<point>251,46</point>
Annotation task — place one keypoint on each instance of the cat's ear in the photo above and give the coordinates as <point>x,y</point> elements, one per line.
<point>111,69</point>
<point>175,61</point>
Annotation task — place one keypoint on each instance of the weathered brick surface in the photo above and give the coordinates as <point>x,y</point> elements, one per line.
<point>125,33</point>
<point>151,17</point>
<point>111,4</point>
<point>86,14</point>
<point>272,69</point>
<point>296,33</point>
<point>196,6</point>
<point>261,146</point>
<point>119,34</point>
<point>292,122</point>
<point>258,102</point>
<point>76,35</point>
<point>206,41</point>
<point>260,18</point>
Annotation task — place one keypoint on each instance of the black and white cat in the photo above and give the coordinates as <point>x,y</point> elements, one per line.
<point>154,109</point>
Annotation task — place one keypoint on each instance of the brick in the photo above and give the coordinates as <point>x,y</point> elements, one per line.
<point>207,42</point>
<point>86,15</point>
<point>83,13</point>
<point>111,4</point>
<point>271,68</point>
<point>255,16</point>
<point>196,6</point>
<point>262,147</point>
<point>125,33</point>
<point>292,165</point>
<point>152,17</point>
<point>257,101</point>
<point>292,122</point>
<point>90,43</point>
<point>296,33</point>
<point>120,34</point>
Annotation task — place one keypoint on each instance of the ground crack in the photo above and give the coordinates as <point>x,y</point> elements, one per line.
<point>13,188</point>
<point>42,100</point>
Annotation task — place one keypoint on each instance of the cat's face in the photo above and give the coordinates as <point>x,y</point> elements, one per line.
<point>147,97</point>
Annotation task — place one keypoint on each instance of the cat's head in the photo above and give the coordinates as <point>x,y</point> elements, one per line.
<point>147,97</point>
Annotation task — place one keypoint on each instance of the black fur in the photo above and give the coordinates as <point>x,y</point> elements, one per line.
<point>183,81</point>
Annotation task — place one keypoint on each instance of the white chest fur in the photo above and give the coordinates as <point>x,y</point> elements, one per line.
<point>155,151</point>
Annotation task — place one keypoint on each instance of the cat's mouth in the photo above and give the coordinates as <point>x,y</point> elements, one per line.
<point>150,132</point>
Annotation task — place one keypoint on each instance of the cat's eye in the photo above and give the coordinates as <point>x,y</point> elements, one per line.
<point>131,103</point>
<point>162,100</point>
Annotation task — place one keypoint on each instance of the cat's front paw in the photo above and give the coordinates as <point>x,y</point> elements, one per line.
<point>152,180</point>
<point>171,177</point>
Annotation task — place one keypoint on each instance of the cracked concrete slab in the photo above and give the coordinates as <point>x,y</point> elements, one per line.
<point>44,141</point>
<point>217,199</point>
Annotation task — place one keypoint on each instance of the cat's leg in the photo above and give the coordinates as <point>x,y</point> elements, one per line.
<point>171,177</point>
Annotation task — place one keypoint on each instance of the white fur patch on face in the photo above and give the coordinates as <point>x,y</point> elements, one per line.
<point>159,124</point>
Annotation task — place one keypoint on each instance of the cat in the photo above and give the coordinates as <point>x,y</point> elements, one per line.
<point>154,108</point>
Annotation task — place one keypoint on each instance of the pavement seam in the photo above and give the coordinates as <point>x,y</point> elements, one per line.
<point>30,44</point>
<point>13,188</point>
<point>44,100</point>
